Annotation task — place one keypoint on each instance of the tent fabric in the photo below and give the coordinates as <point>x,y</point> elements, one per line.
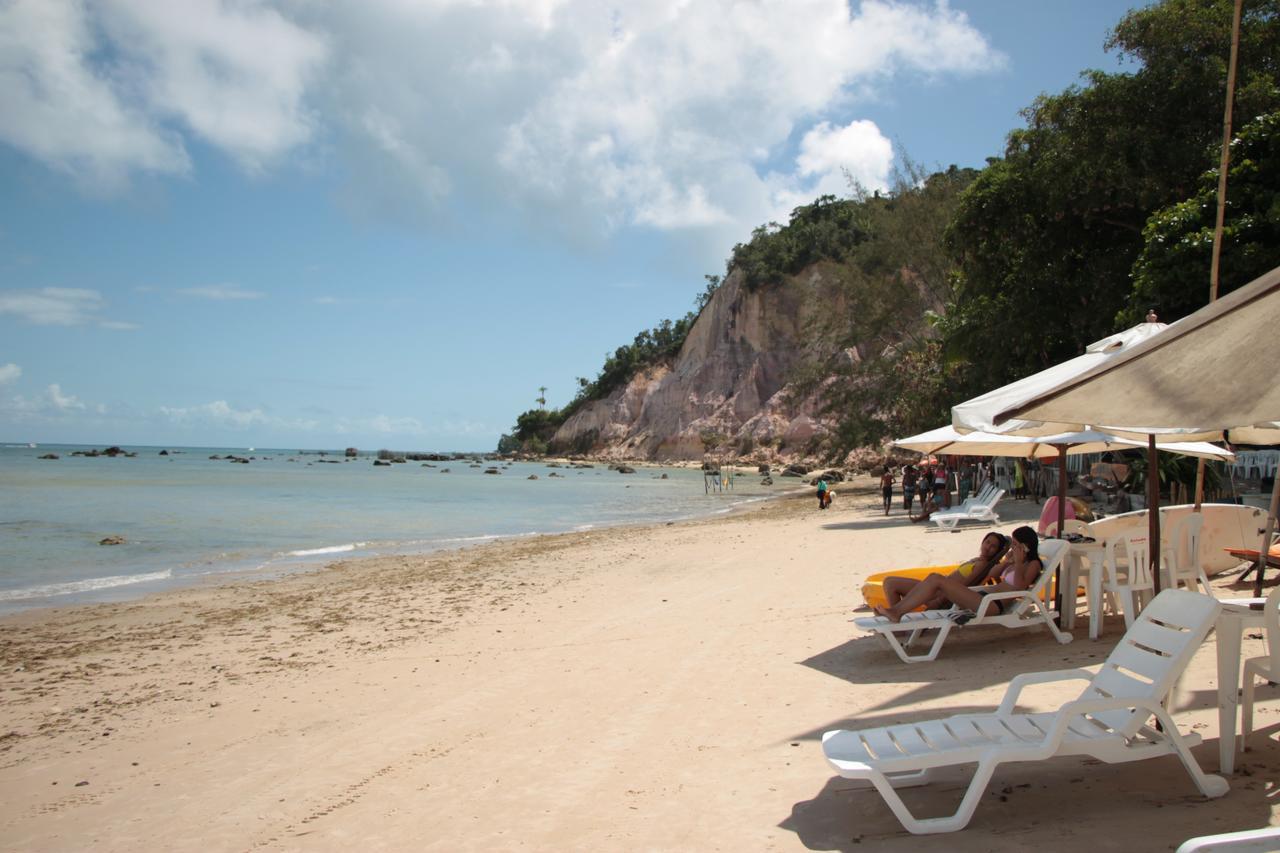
<point>1211,371</point>
<point>949,440</point>
<point>979,414</point>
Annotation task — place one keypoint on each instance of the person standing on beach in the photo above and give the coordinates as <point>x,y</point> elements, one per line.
<point>886,488</point>
<point>908,487</point>
<point>822,493</point>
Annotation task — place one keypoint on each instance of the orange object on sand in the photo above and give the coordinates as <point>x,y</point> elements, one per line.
<point>1251,554</point>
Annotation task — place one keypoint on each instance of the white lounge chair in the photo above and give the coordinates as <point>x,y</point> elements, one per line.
<point>1107,721</point>
<point>983,510</point>
<point>1247,841</point>
<point>1021,609</point>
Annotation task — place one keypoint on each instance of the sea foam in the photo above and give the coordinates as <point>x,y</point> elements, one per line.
<point>89,585</point>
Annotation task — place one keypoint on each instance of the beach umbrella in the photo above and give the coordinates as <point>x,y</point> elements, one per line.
<point>988,412</point>
<point>949,440</point>
<point>1213,373</point>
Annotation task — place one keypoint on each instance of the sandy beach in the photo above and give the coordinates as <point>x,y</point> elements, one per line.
<point>649,688</point>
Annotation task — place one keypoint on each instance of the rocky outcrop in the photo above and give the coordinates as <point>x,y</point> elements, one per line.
<point>727,391</point>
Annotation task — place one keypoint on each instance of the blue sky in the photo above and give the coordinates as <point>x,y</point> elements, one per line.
<point>386,224</point>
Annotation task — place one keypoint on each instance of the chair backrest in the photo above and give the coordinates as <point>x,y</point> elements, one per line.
<point>1184,548</point>
<point>1072,525</point>
<point>1051,553</point>
<point>1152,655</point>
<point>1137,552</point>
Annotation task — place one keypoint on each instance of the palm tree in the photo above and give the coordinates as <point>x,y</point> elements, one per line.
<point>542,397</point>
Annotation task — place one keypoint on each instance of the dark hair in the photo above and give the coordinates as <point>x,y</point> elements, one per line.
<point>1028,537</point>
<point>1001,538</point>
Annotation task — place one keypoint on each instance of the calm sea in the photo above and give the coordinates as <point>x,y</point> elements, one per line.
<point>185,516</point>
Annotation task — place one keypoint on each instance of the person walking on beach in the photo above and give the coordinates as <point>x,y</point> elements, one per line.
<point>886,488</point>
<point>822,493</point>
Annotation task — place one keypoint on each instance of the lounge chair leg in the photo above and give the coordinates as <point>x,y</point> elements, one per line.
<point>932,825</point>
<point>1058,634</point>
<point>1211,785</point>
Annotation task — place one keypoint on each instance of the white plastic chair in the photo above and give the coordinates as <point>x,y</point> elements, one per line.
<point>1267,666</point>
<point>1072,525</point>
<point>1021,609</point>
<point>1131,579</point>
<point>1244,461</point>
<point>1108,720</point>
<point>1182,558</point>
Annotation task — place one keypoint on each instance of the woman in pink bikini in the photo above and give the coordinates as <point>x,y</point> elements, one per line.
<point>1017,571</point>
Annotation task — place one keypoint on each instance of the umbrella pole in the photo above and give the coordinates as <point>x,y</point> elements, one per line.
<point>1266,537</point>
<point>1153,509</point>
<point>1062,521</point>
<point>1199,484</point>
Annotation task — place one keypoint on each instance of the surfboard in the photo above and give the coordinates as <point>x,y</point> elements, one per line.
<point>1226,527</point>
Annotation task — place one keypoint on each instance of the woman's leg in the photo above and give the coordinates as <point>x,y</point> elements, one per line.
<point>895,588</point>
<point>952,588</point>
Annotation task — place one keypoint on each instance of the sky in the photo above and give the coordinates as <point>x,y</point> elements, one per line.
<point>389,223</point>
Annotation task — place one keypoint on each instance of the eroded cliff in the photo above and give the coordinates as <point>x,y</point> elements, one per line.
<point>728,389</point>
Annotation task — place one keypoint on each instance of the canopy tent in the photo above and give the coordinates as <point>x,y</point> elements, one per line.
<point>1213,372</point>
<point>948,440</point>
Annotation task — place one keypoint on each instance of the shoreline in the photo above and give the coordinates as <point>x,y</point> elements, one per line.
<point>152,560</point>
<point>647,687</point>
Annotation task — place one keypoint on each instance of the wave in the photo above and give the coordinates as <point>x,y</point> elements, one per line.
<point>332,549</point>
<point>90,585</point>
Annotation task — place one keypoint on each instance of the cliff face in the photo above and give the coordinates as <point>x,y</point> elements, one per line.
<point>727,386</point>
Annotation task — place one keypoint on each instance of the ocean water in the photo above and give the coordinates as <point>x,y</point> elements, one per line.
<point>186,517</point>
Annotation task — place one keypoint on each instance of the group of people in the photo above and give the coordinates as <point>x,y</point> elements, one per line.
<point>1004,563</point>
<point>929,484</point>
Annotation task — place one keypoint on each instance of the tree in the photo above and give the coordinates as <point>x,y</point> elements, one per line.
<point>1172,273</point>
<point>878,366</point>
<point>541,399</point>
<point>1046,237</point>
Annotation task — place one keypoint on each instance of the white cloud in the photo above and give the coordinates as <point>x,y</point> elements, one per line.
<point>9,373</point>
<point>220,413</point>
<point>105,89</point>
<point>52,306</point>
<point>662,114</point>
<point>60,109</point>
<point>61,402</point>
<point>59,306</point>
<point>50,405</point>
<point>221,292</point>
<point>382,424</point>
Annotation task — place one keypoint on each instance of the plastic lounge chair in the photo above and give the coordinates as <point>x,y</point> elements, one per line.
<point>1247,841</point>
<point>1022,609</point>
<point>1107,721</point>
<point>979,511</point>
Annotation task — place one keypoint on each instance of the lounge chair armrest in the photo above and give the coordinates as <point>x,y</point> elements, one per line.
<point>1026,679</point>
<point>1080,707</point>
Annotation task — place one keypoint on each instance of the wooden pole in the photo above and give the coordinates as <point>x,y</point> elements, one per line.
<point>1062,521</point>
<point>1224,161</point>
<point>1153,510</point>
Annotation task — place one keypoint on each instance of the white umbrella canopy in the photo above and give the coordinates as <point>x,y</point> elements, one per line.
<point>948,440</point>
<point>979,414</point>
<point>1210,372</point>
